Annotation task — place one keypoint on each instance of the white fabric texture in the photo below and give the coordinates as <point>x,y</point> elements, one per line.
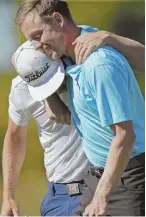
<point>64,157</point>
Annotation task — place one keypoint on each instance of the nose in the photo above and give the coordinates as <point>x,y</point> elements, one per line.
<point>37,45</point>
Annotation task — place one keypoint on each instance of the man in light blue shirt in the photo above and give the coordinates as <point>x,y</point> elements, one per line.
<point>106,105</point>
<point>103,91</point>
<point>108,110</point>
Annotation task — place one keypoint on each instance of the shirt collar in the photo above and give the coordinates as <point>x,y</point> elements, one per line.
<point>70,68</point>
<point>74,70</point>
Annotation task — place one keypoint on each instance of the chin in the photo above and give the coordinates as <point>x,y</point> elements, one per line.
<point>56,56</point>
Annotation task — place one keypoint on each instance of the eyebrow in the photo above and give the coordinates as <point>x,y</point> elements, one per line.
<point>35,32</point>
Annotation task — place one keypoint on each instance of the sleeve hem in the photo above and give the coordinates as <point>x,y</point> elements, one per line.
<point>17,122</point>
<point>106,123</point>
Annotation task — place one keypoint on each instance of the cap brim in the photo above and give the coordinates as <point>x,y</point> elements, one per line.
<point>47,89</point>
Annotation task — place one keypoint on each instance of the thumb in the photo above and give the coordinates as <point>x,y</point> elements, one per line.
<point>15,211</point>
<point>74,42</point>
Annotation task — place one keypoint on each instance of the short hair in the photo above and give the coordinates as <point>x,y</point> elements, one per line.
<point>45,8</point>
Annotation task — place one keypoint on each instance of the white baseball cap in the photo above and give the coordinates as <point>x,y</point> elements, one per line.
<point>43,75</point>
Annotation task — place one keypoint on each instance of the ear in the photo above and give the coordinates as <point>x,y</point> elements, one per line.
<point>58,19</point>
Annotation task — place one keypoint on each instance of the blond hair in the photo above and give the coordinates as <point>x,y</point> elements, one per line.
<point>45,8</point>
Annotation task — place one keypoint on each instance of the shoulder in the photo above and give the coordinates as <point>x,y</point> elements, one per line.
<point>103,56</point>
<point>18,82</point>
<point>19,93</point>
<point>105,62</point>
<point>19,88</point>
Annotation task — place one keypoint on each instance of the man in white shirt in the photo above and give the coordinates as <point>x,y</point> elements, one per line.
<point>64,159</point>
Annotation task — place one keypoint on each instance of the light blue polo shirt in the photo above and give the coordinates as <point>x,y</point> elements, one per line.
<point>103,91</point>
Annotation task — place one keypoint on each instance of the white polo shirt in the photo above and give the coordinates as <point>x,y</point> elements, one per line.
<point>64,157</point>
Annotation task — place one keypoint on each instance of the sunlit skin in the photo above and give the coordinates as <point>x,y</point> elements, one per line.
<point>62,88</point>
<point>47,38</point>
<point>53,37</point>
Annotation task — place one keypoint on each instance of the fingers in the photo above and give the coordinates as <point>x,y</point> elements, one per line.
<point>9,208</point>
<point>6,213</point>
<point>89,213</point>
<point>87,43</point>
<point>78,49</point>
<point>15,211</point>
<point>37,45</point>
<point>86,213</point>
<point>74,43</point>
<point>82,38</point>
<point>81,55</point>
<point>57,120</point>
<point>87,52</point>
<point>68,118</point>
<point>52,118</point>
<point>64,119</point>
<point>15,208</point>
<point>83,52</point>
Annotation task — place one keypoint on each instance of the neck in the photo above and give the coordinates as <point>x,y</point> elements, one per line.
<point>73,32</point>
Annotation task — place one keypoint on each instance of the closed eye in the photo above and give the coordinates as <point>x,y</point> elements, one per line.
<point>36,36</point>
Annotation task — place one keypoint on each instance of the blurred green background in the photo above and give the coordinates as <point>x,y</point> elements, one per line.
<point>126,18</point>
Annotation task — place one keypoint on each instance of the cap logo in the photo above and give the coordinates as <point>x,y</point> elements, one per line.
<point>34,76</point>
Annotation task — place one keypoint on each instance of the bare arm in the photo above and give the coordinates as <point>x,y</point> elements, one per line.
<point>132,50</point>
<point>13,156</point>
<point>117,161</point>
<point>57,110</point>
<point>120,151</point>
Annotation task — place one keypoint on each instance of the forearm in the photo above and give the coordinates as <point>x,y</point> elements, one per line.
<point>117,161</point>
<point>54,99</point>
<point>13,157</point>
<point>132,50</point>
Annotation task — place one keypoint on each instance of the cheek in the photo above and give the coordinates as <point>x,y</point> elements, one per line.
<point>25,32</point>
<point>47,35</point>
<point>50,37</point>
<point>57,41</point>
<point>45,38</point>
<point>60,41</point>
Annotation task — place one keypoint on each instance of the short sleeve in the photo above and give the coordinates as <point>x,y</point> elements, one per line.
<point>109,86</point>
<point>16,112</point>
